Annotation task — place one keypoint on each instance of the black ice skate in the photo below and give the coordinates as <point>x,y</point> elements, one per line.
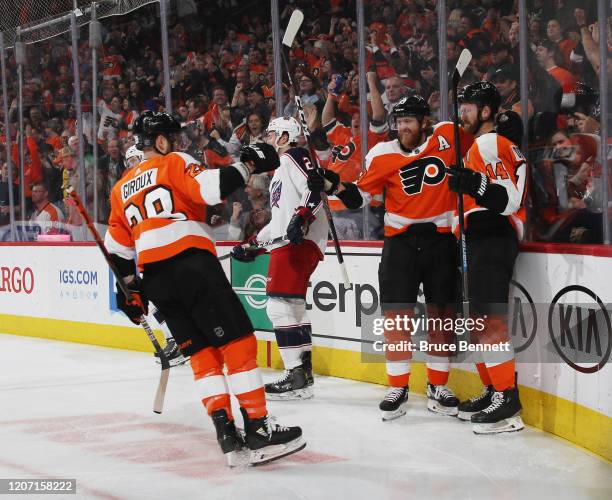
<point>440,399</point>
<point>475,404</point>
<point>269,441</point>
<point>502,415</point>
<point>307,364</point>
<point>394,404</point>
<point>173,353</point>
<point>292,385</point>
<point>232,444</point>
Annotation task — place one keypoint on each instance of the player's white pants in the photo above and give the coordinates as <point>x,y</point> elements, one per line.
<point>291,327</point>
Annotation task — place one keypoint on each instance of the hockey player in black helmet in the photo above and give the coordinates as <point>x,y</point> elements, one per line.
<point>419,247</point>
<point>492,184</point>
<point>158,215</point>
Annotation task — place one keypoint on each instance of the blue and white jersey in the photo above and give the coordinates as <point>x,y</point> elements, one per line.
<point>289,190</point>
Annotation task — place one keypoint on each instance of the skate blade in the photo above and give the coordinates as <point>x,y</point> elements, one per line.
<point>392,415</point>
<point>305,393</point>
<point>274,452</point>
<point>466,416</point>
<point>512,424</point>
<point>238,458</point>
<point>435,407</point>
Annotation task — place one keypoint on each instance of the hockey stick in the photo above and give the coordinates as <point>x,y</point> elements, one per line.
<point>261,244</point>
<point>295,22</point>
<point>158,404</point>
<point>462,63</point>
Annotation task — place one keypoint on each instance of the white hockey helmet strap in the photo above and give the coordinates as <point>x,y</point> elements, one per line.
<point>285,124</point>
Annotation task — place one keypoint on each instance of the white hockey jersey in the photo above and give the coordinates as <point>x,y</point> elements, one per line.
<point>288,190</point>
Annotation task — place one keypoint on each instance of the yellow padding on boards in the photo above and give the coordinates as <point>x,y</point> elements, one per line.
<point>576,423</point>
<point>121,337</point>
<point>568,420</point>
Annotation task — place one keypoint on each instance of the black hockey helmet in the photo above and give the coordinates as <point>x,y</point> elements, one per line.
<point>412,105</point>
<point>150,124</point>
<point>481,94</point>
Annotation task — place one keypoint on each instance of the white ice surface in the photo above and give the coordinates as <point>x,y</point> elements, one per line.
<point>85,412</point>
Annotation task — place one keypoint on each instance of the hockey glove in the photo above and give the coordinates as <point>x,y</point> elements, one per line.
<point>247,251</point>
<point>510,125</point>
<point>323,180</point>
<point>467,181</point>
<point>298,225</point>
<point>262,156</point>
<point>137,306</point>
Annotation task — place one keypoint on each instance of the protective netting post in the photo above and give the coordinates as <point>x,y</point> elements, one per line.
<point>277,47</point>
<point>442,59</point>
<point>7,128</point>
<point>163,15</point>
<point>95,43</point>
<point>603,118</point>
<point>74,35</point>
<point>523,72</point>
<point>20,59</point>
<point>363,104</point>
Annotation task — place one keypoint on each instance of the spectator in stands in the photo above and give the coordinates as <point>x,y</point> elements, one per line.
<point>5,186</point>
<point>555,35</point>
<point>46,215</point>
<point>346,158</point>
<point>249,132</point>
<point>549,57</point>
<point>506,80</point>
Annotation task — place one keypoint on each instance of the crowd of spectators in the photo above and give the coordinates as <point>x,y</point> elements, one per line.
<point>223,91</point>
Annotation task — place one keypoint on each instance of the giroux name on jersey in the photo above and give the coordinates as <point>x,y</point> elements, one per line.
<point>137,184</point>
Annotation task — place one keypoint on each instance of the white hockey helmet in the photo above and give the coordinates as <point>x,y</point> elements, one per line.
<point>285,124</point>
<point>133,156</point>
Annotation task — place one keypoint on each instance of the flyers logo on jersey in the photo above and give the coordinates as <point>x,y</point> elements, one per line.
<point>194,169</point>
<point>343,152</point>
<point>429,170</point>
<point>137,184</point>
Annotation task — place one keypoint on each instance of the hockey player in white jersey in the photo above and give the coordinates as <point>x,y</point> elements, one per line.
<point>297,215</point>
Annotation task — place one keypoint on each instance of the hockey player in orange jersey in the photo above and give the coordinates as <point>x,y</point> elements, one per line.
<point>419,247</point>
<point>493,185</point>
<point>158,214</point>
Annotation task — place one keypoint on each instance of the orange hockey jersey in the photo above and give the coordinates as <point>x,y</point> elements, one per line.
<point>158,209</point>
<point>416,182</point>
<point>503,163</point>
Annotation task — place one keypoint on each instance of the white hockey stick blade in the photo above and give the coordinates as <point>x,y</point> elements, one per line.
<point>345,276</point>
<point>158,405</point>
<point>463,62</point>
<point>295,22</point>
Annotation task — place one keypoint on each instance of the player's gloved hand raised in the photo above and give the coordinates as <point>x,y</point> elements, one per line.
<point>298,225</point>
<point>261,156</point>
<point>509,124</point>
<point>137,306</point>
<point>247,251</point>
<point>467,181</point>
<point>323,180</point>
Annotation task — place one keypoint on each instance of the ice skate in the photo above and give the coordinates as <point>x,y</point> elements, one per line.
<point>440,399</point>
<point>502,415</point>
<point>231,442</point>
<point>394,403</point>
<point>291,386</point>
<point>268,441</point>
<point>475,404</point>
